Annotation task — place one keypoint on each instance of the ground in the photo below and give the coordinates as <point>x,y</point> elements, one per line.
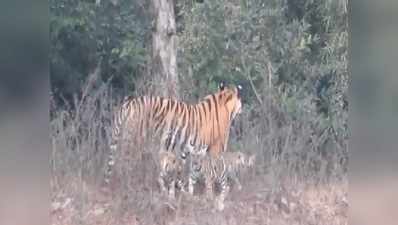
<point>255,204</point>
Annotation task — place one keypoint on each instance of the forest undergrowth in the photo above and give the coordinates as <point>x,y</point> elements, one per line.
<point>300,174</point>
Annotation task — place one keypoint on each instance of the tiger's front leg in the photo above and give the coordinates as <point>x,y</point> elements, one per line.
<point>191,184</point>
<point>209,187</point>
<point>172,189</point>
<point>195,173</point>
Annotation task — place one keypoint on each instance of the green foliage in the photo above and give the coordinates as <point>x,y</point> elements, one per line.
<point>87,34</point>
<point>297,45</point>
<point>289,55</point>
<point>304,42</point>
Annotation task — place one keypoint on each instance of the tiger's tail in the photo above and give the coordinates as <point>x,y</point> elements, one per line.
<point>118,121</point>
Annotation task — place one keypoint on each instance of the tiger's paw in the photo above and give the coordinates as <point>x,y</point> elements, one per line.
<point>219,205</point>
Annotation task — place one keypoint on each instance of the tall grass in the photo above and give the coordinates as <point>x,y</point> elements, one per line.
<point>292,153</point>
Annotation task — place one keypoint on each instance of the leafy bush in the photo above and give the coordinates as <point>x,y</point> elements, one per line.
<point>85,34</point>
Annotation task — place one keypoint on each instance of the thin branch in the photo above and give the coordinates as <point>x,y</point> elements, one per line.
<point>269,67</point>
<point>251,81</point>
<point>254,89</point>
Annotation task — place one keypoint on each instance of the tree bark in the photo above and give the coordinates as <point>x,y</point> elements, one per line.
<point>164,48</point>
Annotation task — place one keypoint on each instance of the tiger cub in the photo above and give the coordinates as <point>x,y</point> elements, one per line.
<point>170,176</point>
<point>221,170</point>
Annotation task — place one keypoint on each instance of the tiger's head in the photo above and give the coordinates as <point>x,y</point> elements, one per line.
<point>197,162</point>
<point>231,98</point>
<point>169,163</point>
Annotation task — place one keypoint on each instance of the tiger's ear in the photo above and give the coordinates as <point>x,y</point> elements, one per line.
<point>221,85</point>
<point>239,88</point>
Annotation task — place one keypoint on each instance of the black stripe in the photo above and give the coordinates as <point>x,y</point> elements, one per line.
<point>140,104</point>
<point>176,138</point>
<point>200,125</point>
<point>217,116</point>
<point>141,100</point>
<point>163,116</point>
<point>161,127</point>
<point>191,121</point>
<point>173,125</point>
<point>184,116</point>
<point>200,114</point>
<point>138,116</point>
<point>178,108</point>
<point>208,101</point>
<point>168,105</point>
<point>178,127</point>
<point>168,142</point>
<point>204,109</point>
<point>186,124</point>
<point>157,123</point>
<point>141,126</point>
<point>215,106</point>
<point>160,113</point>
<point>194,128</point>
<point>149,112</point>
<point>172,103</point>
<point>156,108</point>
<point>164,108</point>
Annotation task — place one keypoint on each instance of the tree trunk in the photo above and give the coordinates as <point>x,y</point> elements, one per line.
<point>164,48</point>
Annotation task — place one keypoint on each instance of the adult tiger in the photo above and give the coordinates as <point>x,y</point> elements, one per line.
<point>179,124</point>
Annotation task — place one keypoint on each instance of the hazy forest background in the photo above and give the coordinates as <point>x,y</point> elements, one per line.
<point>291,58</point>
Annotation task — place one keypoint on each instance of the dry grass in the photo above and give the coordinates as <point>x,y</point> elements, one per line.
<point>299,177</point>
<point>255,204</point>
